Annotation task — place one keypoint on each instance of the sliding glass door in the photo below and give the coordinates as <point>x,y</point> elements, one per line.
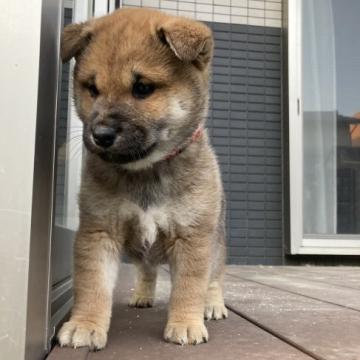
<point>69,156</point>
<point>324,126</point>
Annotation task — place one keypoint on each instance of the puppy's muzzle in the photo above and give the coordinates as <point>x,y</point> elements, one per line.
<point>118,137</point>
<point>104,136</point>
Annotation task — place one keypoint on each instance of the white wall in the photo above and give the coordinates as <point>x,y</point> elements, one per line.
<point>19,62</point>
<point>247,12</point>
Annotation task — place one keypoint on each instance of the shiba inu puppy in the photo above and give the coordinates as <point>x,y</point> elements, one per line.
<point>151,185</point>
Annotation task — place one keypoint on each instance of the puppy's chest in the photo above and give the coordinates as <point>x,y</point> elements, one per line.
<point>144,231</point>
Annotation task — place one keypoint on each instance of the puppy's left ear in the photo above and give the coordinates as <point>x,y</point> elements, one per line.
<point>190,40</point>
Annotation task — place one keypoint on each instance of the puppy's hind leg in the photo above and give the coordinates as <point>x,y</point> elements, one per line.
<point>145,286</point>
<point>214,302</point>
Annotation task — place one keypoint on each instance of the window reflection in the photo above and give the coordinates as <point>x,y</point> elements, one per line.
<point>331,116</point>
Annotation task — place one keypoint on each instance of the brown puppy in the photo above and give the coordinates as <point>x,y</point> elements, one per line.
<point>151,186</point>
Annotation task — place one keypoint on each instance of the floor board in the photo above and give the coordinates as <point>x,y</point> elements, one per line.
<point>279,313</point>
<point>343,277</point>
<point>58,353</point>
<point>303,285</point>
<point>327,331</point>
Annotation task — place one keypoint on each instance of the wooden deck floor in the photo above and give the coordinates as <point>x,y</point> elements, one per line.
<point>276,313</point>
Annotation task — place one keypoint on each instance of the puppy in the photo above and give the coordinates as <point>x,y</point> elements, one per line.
<point>151,185</point>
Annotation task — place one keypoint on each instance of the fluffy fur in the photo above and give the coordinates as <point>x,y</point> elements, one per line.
<point>133,199</point>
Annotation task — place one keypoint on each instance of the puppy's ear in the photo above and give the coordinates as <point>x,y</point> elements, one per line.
<point>191,41</point>
<point>74,39</point>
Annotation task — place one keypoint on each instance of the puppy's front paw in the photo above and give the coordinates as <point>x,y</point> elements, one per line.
<point>81,333</point>
<point>186,333</point>
<point>215,311</point>
<point>141,301</point>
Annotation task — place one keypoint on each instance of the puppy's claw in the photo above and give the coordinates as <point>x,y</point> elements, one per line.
<point>80,333</point>
<point>183,334</point>
<point>215,312</point>
<point>141,302</point>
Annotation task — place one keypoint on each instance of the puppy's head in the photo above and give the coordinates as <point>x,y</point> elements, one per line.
<point>140,82</point>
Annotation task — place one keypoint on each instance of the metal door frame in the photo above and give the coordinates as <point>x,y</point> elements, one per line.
<point>40,323</point>
<point>37,326</point>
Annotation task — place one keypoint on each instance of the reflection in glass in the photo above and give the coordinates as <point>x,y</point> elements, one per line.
<point>331,119</point>
<point>69,149</point>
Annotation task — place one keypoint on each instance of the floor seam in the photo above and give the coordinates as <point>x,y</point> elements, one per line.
<point>275,334</point>
<point>296,293</point>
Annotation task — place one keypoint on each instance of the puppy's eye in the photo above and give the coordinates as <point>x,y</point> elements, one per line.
<point>141,90</point>
<point>93,90</point>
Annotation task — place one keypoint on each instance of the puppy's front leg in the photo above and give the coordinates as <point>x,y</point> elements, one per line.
<point>96,263</point>
<point>189,265</point>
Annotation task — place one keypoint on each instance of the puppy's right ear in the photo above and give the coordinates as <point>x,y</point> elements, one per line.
<point>74,39</point>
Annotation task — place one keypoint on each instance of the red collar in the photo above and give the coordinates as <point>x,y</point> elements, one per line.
<point>197,134</point>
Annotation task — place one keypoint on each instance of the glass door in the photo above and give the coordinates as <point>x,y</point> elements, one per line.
<point>68,164</point>
<point>68,160</point>
<point>324,126</point>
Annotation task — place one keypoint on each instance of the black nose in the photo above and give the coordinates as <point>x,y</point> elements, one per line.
<point>104,136</point>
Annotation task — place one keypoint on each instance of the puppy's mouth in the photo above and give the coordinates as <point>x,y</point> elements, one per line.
<point>123,152</point>
<point>131,155</point>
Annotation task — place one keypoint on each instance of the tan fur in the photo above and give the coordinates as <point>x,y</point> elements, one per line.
<point>154,210</point>
<point>145,286</point>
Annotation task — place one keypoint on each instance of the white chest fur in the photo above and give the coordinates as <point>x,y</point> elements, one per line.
<point>149,227</point>
<point>150,221</point>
